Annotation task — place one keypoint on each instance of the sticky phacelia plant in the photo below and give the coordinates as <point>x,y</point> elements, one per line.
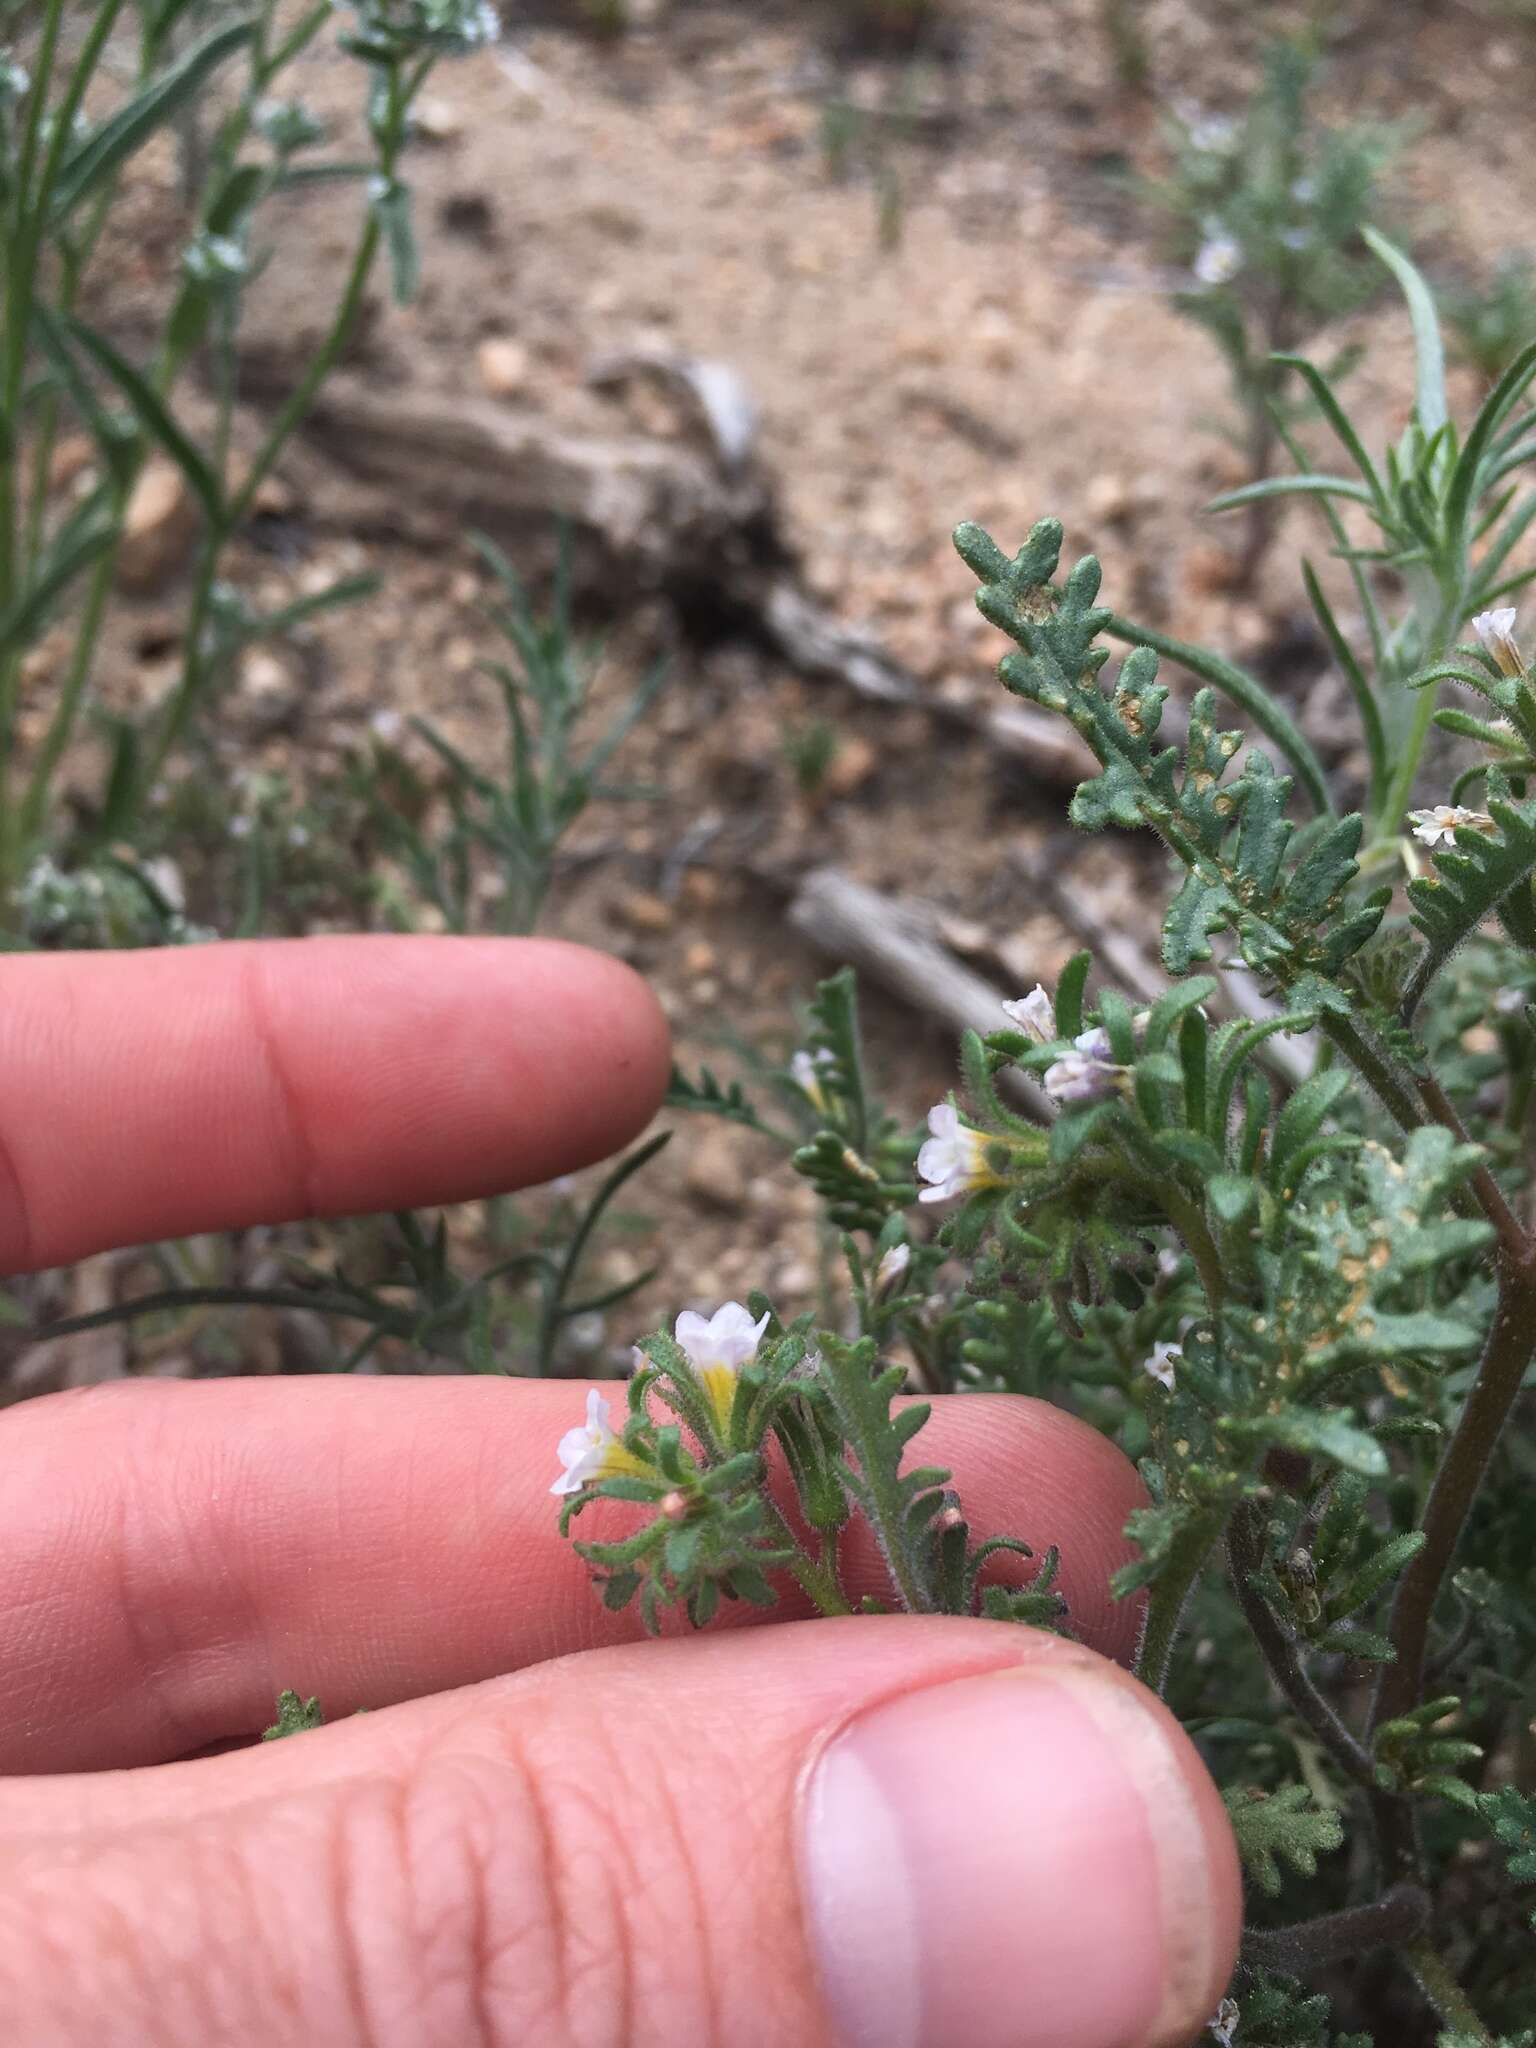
<point>1299,1291</point>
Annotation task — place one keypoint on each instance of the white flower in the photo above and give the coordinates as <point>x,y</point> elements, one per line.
<point>1510,1002</point>
<point>717,1347</point>
<point>1219,260</point>
<point>1035,1015</point>
<point>1224,2025</point>
<point>1087,1073</point>
<point>954,1158</point>
<point>1213,133</point>
<point>1496,630</point>
<point>591,1450</point>
<point>1445,821</point>
<point>806,1069</point>
<point>893,1264</point>
<point>387,724</point>
<point>1160,1366</point>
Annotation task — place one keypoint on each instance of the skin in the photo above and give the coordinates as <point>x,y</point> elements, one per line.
<point>544,1831</point>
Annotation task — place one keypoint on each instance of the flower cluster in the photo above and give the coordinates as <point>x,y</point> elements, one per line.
<point>1088,1072</point>
<point>717,1347</point>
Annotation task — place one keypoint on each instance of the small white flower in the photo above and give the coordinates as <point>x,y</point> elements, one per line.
<point>806,1070</point>
<point>1496,630</point>
<point>1304,191</point>
<point>1213,133</point>
<point>1219,260</point>
<point>1224,2025</point>
<point>717,1347</point>
<point>954,1158</point>
<point>1295,239</point>
<point>1510,1002</point>
<point>387,724</point>
<point>1160,1366</point>
<point>1444,821</point>
<point>893,1264</point>
<point>1035,1015</point>
<point>1087,1073</point>
<point>587,1452</point>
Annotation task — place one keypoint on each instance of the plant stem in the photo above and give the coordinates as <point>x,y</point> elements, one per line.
<point>1399,1916</point>
<point>1245,1555</point>
<point>167,1300</point>
<point>816,1577</point>
<point>62,723</point>
<point>1511,1342</point>
<point>1434,1978</point>
<point>1170,1596</point>
<point>196,665</point>
<point>1490,1196</point>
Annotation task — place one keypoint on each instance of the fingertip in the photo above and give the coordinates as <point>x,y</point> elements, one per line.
<point>615,1013</point>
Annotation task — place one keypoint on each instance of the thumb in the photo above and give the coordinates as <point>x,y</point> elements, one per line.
<point>879,1833</point>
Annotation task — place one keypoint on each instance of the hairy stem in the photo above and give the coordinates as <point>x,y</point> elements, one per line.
<point>1399,1916</point>
<point>1510,1344</point>
<point>1170,1596</point>
<point>1245,1551</point>
<point>1490,1196</point>
<point>1439,1986</point>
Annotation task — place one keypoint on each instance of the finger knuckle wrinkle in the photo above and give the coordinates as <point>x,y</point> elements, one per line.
<point>551,1884</point>
<point>481,1904</point>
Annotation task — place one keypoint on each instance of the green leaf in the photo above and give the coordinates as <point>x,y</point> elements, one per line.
<point>1339,420</point>
<point>1354,675</point>
<point>72,551</point>
<point>116,439</point>
<point>894,1502</point>
<point>1237,872</point>
<point>1243,690</point>
<point>1361,1585</point>
<point>1465,478</point>
<point>1470,880</point>
<point>1326,1433</point>
<point>1301,1119</point>
<point>1233,1197</point>
<point>1307,485</point>
<point>294,1717</point>
<point>113,141</point>
<point>392,210</point>
<point>1428,349</point>
<point>155,417</point>
<point>1284,1825</point>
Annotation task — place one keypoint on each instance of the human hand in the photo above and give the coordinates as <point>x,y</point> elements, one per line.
<point>884,1833</point>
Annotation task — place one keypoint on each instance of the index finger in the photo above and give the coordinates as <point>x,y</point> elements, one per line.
<point>150,1094</point>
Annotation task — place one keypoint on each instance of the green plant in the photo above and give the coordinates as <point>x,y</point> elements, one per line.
<point>810,751</point>
<point>1491,323</point>
<point>511,823</point>
<point>865,139</point>
<point>1308,1311</point>
<point>61,178</point>
<point>1265,212</point>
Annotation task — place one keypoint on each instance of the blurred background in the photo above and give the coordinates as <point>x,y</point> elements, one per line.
<point>604,579</point>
